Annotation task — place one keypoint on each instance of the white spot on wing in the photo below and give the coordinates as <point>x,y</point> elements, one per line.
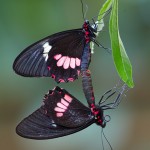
<point>47,48</point>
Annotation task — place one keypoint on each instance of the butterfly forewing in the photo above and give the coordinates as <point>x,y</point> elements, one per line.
<point>58,56</point>
<point>61,114</point>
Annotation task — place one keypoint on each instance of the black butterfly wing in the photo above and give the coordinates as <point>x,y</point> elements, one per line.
<point>47,122</point>
<point>58,56</point>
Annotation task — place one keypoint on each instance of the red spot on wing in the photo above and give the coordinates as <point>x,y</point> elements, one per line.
<point>70,79</point>
<point>53,76</point>
<point>48,67</point>
<point>61,80</point>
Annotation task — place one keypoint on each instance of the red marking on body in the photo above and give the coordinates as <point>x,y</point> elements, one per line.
<point>66,63</point>
<point>68,98</point>
<point>72,63</point>
<point>56,57</point>
<point>78,62</point>
<point>93,106</point>
<point>86,33</point>
<point>87,40</point>
<point>85,26</point>
<point>94,110</point>
<point>93,98</point>
<point>99,121</point>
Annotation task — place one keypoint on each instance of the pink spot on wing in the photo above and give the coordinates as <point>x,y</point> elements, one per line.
<point>57,56</point>
<point>61,106</point>
<point>64,102</point>
<point>61,80</point>
<point>57,109</point>
<point>72,63</point>
<point>61,61</point>
<point>66,63</point>
<point>68,98</point>
<point>59,114</point>
<point>70,79</point>
<point>78,62</point>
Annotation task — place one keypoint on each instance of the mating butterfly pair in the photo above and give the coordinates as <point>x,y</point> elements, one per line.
<point>62,56</point>
<point>62,114</point>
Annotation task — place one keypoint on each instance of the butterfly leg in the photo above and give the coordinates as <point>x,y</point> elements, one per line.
<point>100,45</point>
<point>120,93</point>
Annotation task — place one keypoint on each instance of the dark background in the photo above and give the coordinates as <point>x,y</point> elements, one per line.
<point>24,22</point>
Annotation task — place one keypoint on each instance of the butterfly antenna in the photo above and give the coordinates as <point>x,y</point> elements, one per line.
<point>84,14</point>
<point>102,138</point>
<point>103,135</point>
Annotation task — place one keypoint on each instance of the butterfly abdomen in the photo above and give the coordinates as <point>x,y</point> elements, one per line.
<point>86,57</point>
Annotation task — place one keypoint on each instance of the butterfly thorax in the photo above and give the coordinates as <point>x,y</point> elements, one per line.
<point>89,31</point>
<point>99,115</point>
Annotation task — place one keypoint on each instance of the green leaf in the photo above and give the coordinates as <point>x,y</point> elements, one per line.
<point>121,60</point>
<point>105,8</point>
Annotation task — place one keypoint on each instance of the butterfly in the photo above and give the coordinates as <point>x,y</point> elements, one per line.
<point>61,56</point>
<point>62,114</point>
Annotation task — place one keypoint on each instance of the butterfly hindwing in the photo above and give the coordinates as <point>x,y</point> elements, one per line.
<point>58,56</point>
<point>61,114</point>
<point>66,109</point>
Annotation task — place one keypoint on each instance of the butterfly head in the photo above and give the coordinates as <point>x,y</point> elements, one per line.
<point>91,29</point>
